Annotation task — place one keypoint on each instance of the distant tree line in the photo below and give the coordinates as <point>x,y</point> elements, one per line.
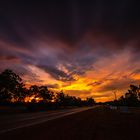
<point>130,98</point>
<point>13,91</point>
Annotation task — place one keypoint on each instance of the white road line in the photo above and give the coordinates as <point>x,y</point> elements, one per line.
<point>45,120</point>
<point>41,115</point>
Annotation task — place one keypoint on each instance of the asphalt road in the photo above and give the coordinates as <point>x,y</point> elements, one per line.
<point>14,122</point>
<point>98,123</point>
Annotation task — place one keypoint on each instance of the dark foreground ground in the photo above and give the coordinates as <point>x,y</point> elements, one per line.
<point>95,124</point>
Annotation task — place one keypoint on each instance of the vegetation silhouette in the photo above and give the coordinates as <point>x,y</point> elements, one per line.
<point>14,92</point>
<point>11,87</point>
<point>130,98</point>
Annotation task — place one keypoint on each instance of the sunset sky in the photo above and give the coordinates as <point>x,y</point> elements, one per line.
<point>85,48</point>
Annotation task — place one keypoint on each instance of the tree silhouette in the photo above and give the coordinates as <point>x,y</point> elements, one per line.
<point>90,101</point>
<point>12,90</point>
<point>60,98</point>
<point>45,94</point>
<point>11,86</point>
<point>34,90</point>
<point>131,97</point>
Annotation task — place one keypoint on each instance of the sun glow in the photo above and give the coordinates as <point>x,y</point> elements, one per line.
<point>32,99</point>
<point>107,75</point>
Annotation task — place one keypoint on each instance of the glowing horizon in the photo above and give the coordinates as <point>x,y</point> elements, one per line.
<point>86,50</point>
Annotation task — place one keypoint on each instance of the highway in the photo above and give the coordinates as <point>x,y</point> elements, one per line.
<point>90,123</point>
<point>14,122</point>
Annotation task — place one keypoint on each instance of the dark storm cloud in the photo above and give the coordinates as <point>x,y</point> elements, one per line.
<point>48,58</point>
<point>57,74</point>
<point>69,20</point>
<point>29,31</point>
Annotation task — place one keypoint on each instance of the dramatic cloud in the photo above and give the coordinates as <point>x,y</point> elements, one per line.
<point>86,48</point>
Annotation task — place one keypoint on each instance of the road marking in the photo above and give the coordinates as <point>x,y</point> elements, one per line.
<point>42,115</point>
<point>45,120</point>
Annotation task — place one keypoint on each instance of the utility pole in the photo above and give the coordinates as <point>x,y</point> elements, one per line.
<point>115,96</point>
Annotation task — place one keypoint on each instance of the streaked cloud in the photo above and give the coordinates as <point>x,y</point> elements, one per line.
<point>85,50</point>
